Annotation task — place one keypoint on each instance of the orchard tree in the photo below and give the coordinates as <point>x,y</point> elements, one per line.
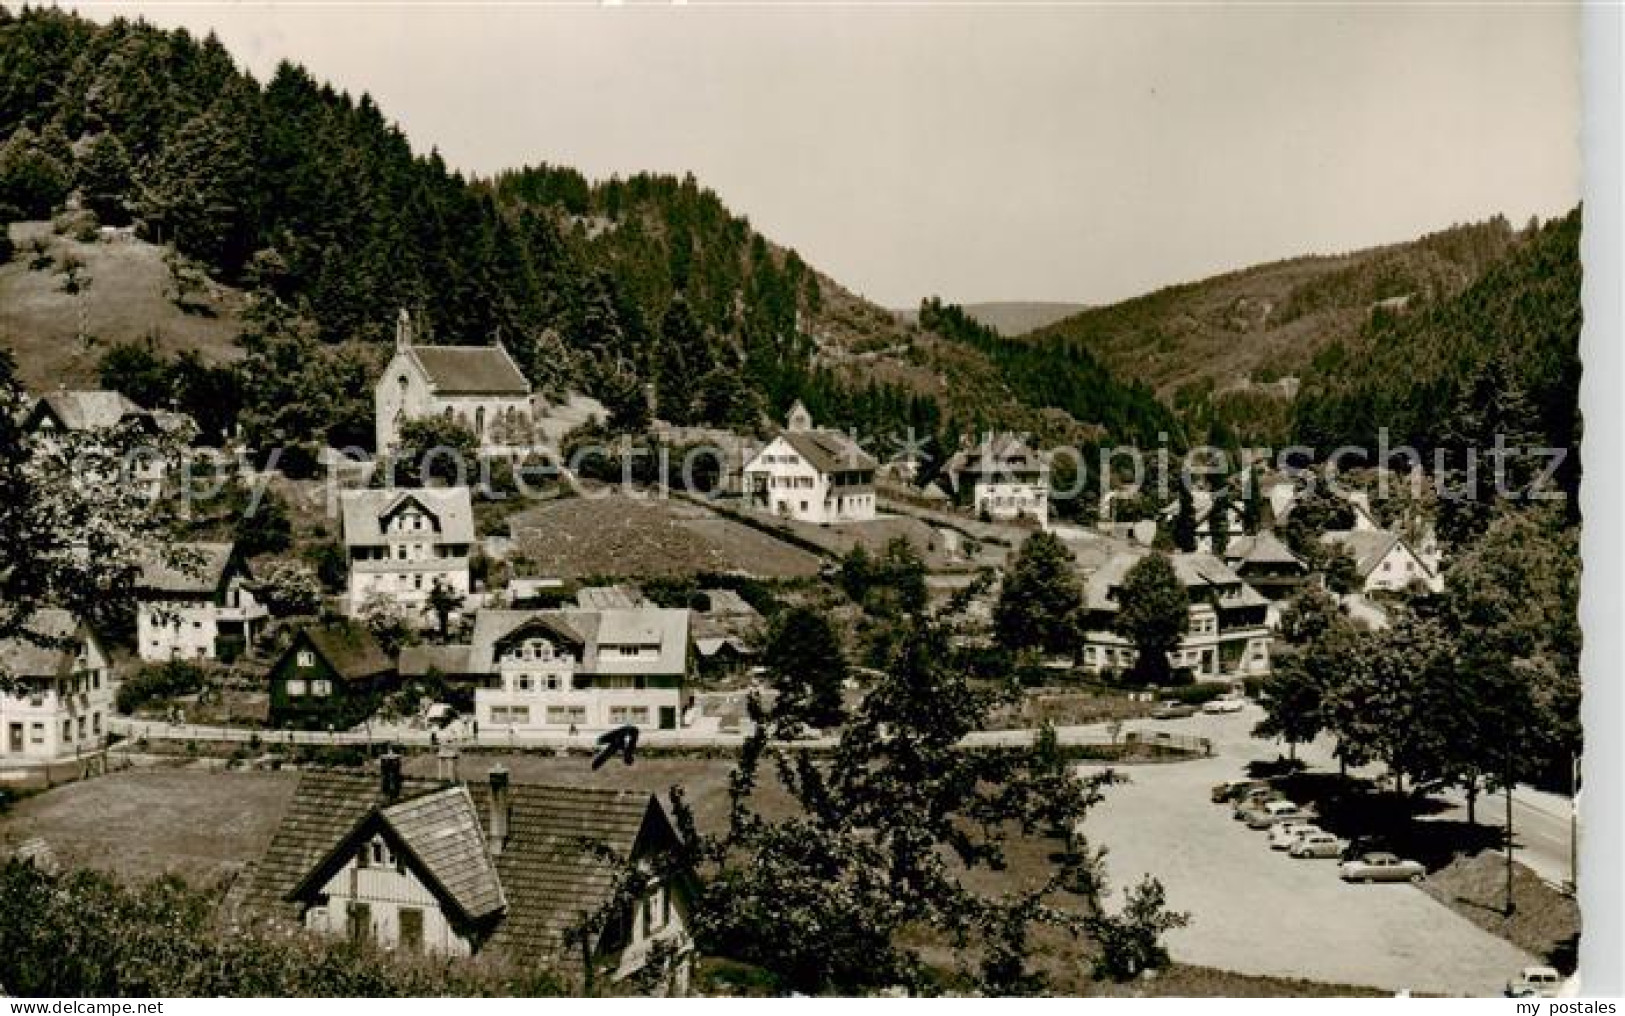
<point>1039,604</point>
<point>807,667</point>
<point>289,589</point>
<point>1153,613</point>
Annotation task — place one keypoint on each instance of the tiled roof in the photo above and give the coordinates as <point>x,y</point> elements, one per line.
<point>1265,548</point>
<point>604,597</point>
<point>829,451</point>
<point>999,453</point>
<point>470,370</point>
<point>362,512</point>
<point>592,630</point>
<point>349,648</point>
<point>548,874</point>
<point>1367,546</point>
<point>418,661</point>
<point>551,877</point>
<point>23,657</point>
<point>186,568</point>
<point>88,410</point>
<point>492,626</point>
<point>444,831</point>
<point>1195,572</point>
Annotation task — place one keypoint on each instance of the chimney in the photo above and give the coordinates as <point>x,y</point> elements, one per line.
<point>448,765</point>
<point>497,827</point>
<point>389,767</point>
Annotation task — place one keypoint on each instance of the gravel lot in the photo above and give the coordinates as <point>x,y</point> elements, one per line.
<point>1257,911</point>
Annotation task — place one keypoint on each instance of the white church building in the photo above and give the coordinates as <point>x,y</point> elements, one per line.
<point>480,386</point>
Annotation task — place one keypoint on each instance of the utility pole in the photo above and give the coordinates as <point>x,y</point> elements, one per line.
<point>1506,788</point>
<point>1574,821</point>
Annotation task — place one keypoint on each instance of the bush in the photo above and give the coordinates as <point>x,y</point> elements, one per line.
<point>1194,694</point>
<point>156,683</point>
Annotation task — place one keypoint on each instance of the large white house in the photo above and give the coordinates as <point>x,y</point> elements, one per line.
<point>1001,478</point>
<point>811,475</point>
<point>402,542</point>
<point>1229,633</point>
<point>194,601</point>
<point>61,691</point>
<point>480,386</point>
<point>1383,561</point>
<point>550,670</point>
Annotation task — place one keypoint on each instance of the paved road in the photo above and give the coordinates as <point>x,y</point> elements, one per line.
<point>1255,910</point>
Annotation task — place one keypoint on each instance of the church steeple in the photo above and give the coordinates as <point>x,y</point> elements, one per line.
<point>403,329</point>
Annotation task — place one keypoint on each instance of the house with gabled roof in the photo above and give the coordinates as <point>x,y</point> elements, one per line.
<point>333,674</point>
<point>77,411</point>
<point>1267,564</point>
<point>554,670</point>
<point>811,475</point>
<point>516,871</point>
<point>1000,477</point>
<point>195,601</point>
<point>1383,560</point>
<point>402,542</point>
<point>481,387</point>
<point>59,689</point>
<point>1228,635</point>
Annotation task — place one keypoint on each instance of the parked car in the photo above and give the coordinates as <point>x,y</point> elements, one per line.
<point>1284,834</point>
<point>1234,790</point>
<point>1224,704</point>
<point>1274,813</point>
<point>1359,846</point>
<point>1381,868</point>
<point>1172,709</point>
<point>1535,982</point>
<point>1316,844</point>
<point>1253,799</point>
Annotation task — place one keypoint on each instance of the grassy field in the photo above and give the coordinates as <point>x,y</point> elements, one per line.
<point>144,823</point>
<point>1544,921</point>
<point>125,300</point>
<point>615,535</point>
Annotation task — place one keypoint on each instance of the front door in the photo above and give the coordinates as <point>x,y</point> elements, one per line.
<point>14,739</point>
<point>668,717</point>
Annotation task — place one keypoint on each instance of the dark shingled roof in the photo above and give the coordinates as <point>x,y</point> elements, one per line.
<point>350,649</point>
<point>185,568</point>
<point>418,661</point>
<point>470,370</point>
<point>547,874</point>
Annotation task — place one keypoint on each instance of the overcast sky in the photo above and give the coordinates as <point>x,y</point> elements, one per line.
<point>983,153</point>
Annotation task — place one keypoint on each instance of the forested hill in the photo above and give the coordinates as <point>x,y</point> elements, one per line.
<point>289,189</point>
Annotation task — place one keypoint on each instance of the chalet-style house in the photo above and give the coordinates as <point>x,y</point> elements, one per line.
<point>1267,564</point>
<point>401,542</point>
<point>1229,634</point>
<point>810,475</point>
<point>551,670</point>
<point>332,674</point>
<point>516,871</point>
<point>726,629</point>
<point>1000,478</point>
<point>479,386</point>
<point>1384,562</point>
<point>194,602</point>
<point>60,692</point>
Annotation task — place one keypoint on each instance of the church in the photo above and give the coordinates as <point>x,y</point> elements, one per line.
<point>480,386</point>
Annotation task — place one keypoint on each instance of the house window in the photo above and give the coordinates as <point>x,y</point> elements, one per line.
<point>629,714</point>
<point>560,715</point>
<point>519,715</point>
<point>412,928</point>
<point>296,688</point>
<point>84,727</point>
<point>96,724</point>
<point>553,682</point>
<point>36,733</point>
<point>306,658</point>
<point>524,682</point>
<point>321,688</point>
<point>67,730</point>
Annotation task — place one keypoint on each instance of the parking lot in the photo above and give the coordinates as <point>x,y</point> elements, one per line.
<point>1255,910</point>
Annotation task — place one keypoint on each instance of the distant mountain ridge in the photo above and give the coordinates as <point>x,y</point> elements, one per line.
<point>1012,317</point>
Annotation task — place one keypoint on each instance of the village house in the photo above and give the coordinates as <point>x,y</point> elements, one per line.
<point>71,411</point>
<point>551,670</point>
<point>61,691</point>
<point>727,631</point>
<point>1203,505</point>
<point>402,542</point>
<point>480,387</point>
<point>332,675</point>
<point>1000,478</point>
<point>810,475</point>
<point>195,602</point>
<point>1229,634</point>
<point>1383,561</point>
<point>489,868</point>
<point>1267,564</point>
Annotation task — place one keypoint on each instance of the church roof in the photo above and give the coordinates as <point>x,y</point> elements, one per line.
<point>470,370</point>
